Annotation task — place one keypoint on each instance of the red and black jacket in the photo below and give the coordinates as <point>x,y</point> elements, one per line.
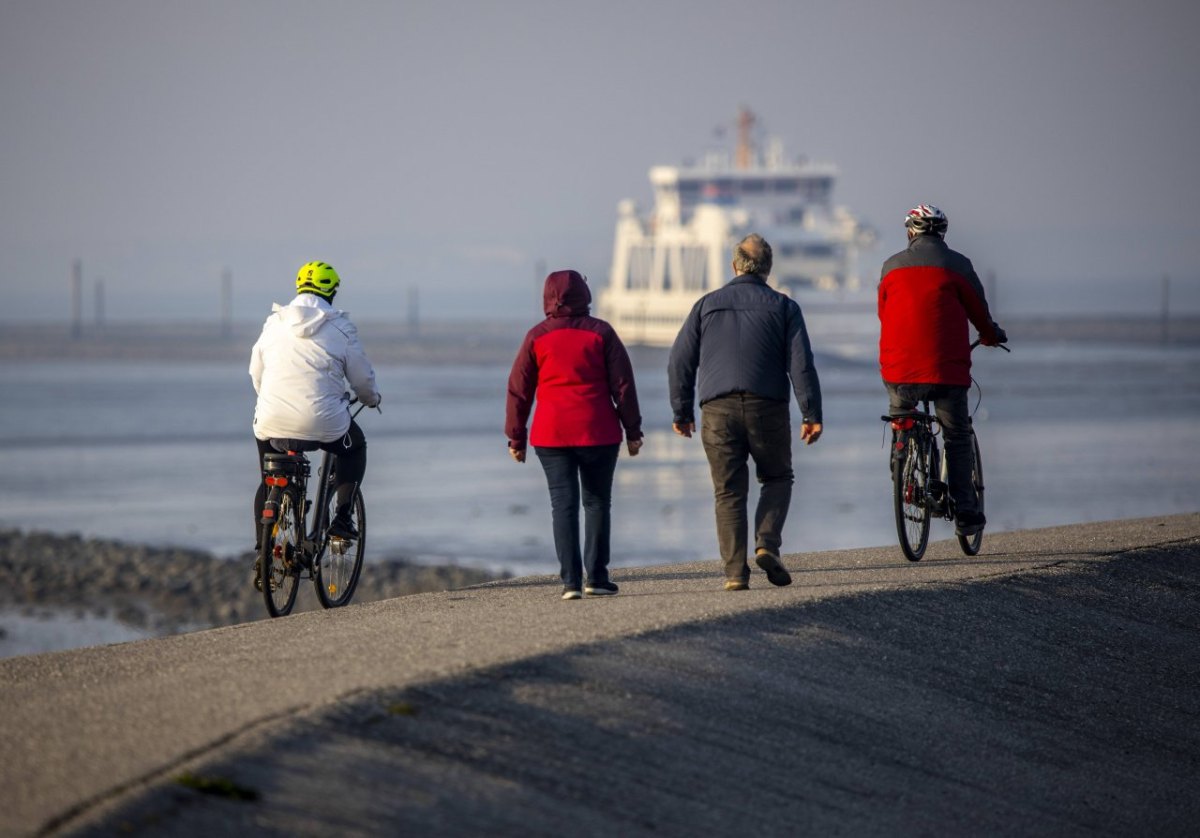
<point>579,371</point>
<point>927,295</point>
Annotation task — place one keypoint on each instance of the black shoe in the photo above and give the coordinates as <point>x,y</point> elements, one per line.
<point>600,588</point>
<point>571,593</point>
<point>776,573</point>
<point>969,523</point>
<point>342,527</point>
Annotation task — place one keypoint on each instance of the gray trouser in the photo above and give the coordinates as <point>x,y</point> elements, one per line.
<point>950,406</point>
<point>734,428</point>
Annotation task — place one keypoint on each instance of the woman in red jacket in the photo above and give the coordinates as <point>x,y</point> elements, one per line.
<point>579,372</point>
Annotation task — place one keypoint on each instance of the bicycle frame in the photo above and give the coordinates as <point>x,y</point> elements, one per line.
<point>918,425</point>
<point>315,536</point>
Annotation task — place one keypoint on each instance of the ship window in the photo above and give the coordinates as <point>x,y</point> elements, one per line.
<point>753,187</point>
<point>818,189</point>
<point>808,251</point>
<point>786,185</point>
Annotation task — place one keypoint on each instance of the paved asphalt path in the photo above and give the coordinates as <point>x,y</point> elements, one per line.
<point>1050,686</point>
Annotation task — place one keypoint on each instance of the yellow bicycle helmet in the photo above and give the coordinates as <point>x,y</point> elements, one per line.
<point>318,277</point>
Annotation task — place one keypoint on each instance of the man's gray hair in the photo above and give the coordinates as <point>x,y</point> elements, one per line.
<point>752,256</point>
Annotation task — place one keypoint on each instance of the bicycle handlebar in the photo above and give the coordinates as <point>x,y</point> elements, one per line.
<point>995,346</point>
<point>353,401</point>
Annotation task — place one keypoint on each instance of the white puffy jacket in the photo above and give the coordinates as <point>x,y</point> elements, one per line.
<point>299,366</point>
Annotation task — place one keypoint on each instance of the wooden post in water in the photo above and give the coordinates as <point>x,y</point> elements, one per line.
<point>226,303</point>
<point>414,312</point>
<point>77,299</point>
<point>99,303</point>
<point>1166,308</point>
<point>539,279</point>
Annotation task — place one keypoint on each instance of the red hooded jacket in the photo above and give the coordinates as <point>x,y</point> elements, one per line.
<point>579,371</point>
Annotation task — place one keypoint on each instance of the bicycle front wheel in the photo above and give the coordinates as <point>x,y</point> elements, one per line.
<point>970,544</point>
<point>910,482</point>
<point>279,555</point>
<point>336,571</point>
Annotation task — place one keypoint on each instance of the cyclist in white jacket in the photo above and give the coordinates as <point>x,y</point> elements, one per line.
<point>306,353</point>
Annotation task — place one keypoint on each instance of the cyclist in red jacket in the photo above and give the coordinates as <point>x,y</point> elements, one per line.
<point>580,373</point>
<point>927,295</point>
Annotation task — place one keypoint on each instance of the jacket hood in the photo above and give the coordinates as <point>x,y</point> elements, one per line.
<point>305,315</point>
<point>566,294</point>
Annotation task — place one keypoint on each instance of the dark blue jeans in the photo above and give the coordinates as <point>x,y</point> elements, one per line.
<point>950,406</point>
<point>574,474</point>
<point>734,428</point>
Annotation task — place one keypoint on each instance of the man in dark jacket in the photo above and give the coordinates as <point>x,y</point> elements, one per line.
<point>927,295</point>
<point>737,350</point>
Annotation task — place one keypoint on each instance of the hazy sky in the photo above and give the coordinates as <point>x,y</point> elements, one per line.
<point>450,146</point>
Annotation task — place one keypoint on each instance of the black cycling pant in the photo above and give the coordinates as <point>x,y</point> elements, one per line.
<point>950,406</point>
<point>351,453</point>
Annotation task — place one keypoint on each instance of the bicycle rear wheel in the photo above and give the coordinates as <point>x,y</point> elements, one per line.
<point>336,570</point>
<point>910,483</point>
<point>279,555</point>
<point>970,544</point>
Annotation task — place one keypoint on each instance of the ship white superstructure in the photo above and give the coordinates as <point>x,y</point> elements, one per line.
<point>663,263</point>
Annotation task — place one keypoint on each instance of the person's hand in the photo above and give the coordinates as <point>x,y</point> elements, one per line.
<point>378,399</point>
<point>685,429</point>
<point>810,432</point>
<point>634,446</point>
<point>1001,337</point>
<point>518,454</point>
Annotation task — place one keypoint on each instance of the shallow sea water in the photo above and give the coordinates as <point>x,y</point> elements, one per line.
<point>162,453</point>
<point>25,631</point>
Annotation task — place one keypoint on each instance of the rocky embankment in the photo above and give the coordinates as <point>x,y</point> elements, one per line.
<point>166,590</point>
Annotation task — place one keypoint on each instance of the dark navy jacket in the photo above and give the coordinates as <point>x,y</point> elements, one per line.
<point>743,338</point>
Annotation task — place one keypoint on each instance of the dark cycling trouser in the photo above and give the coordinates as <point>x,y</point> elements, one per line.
<point>950,406</point>
<point>351,453</point>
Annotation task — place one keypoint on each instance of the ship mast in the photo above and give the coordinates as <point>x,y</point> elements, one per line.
<point>745,150</point>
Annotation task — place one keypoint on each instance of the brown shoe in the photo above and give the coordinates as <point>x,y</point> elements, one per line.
<point>736,585</point>
<point>776,573</point>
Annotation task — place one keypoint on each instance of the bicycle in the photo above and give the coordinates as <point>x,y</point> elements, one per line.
<point>918,494</point>
<point>288,553</point>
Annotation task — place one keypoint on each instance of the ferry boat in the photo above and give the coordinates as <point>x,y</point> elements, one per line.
<point>663,263</point>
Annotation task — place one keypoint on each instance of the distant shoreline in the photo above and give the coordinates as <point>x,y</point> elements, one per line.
<point>468,342</point>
